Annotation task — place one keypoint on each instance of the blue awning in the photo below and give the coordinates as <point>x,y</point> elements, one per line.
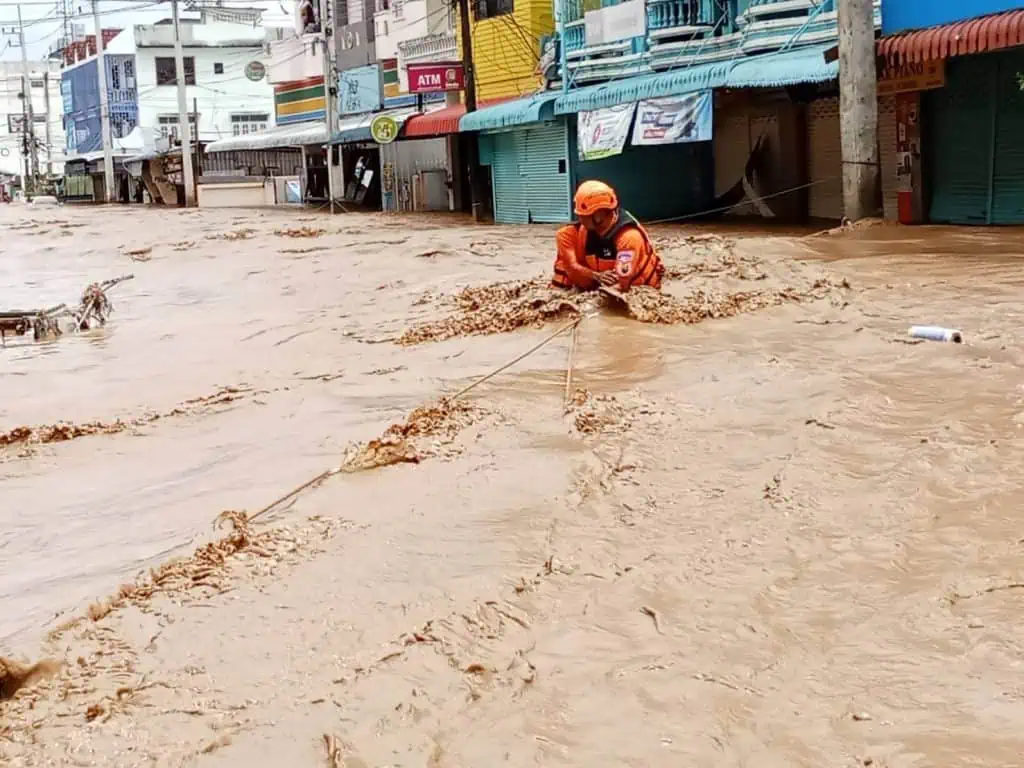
<point>774,70</point>
<point>511,113</point>
<point>356,128</point>
<point>674,82</point>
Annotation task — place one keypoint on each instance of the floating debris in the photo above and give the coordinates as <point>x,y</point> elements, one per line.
<point>300,232</point>
<point>404,443</point>
<point>15,675</point>
<point>62,431</point>
<point>93,310</point>
<point>238,234</point>
<point>936,333</point>
<point>500,308</point>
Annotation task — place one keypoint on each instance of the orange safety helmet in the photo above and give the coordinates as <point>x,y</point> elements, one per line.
<point>593,196</point>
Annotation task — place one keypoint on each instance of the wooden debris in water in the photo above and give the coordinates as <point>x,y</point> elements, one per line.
<point>500,308</point>
<point>300,232</point>
<point>15,675</point>
<point>93,310</point>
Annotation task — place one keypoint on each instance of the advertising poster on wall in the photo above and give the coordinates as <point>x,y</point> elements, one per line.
<point>603,132</point>
<point>359,90</point>
<point>674,120</point>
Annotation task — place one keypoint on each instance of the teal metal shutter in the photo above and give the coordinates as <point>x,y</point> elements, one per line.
<point>506,181</point>
<point>958,152</point>
<point>1008,181</point>
<point>545,170</point>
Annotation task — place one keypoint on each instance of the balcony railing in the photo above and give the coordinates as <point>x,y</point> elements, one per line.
<point>666,14</point>
<point>429,48</point>
<point>683,32</point>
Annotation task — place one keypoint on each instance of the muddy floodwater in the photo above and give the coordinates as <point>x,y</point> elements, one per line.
<point>763,528</point>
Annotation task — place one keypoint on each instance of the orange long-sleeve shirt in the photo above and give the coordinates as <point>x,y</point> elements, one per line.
<point>574,265</point>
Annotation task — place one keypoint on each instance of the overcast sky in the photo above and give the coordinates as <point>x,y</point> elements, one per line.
<point>43,20</point>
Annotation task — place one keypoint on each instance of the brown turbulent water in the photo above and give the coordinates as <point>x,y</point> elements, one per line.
<point>784,536</point>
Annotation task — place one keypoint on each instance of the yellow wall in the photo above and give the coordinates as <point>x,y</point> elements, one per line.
<point>506,49</point>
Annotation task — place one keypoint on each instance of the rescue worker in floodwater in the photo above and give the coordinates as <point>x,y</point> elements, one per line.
<point>608,247</point>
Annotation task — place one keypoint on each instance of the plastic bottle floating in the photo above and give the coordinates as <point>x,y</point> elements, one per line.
<point>936,333</point>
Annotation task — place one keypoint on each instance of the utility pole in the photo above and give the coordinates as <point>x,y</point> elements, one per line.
<point>49,136</point>
<point>29,128</point>
<point>330,88</point>
<point>858,109</point>
<point>472,139</point>
<point>184,124</point>
<point>101,76</point>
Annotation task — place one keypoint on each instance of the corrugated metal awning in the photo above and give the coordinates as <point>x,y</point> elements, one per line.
<point>355,128</point>
<point>775,70</point>
<point>674,82</point>
<point>532,109</point>
<point>278,137</point>
<point>441,122</point>
<point>986,33</point>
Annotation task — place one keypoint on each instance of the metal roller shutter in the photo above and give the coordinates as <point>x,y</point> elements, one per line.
<point>887,156</point>
<point>545,171</point>
<point>824,159</point>
<point>507,185</point>
<point>958,152</point>
<point>1008,182</point>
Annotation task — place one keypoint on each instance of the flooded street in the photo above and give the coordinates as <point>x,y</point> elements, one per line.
<point>771,530</point>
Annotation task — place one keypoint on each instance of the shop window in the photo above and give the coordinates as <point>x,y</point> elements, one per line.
<point>244,124</point>
<point>488,9</point>
<point>166,73</point>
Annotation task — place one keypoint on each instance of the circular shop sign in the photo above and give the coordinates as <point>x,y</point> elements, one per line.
<point>384,129</point>
<point>255,71</point>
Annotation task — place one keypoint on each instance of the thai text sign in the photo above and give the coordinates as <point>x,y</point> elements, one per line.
<point>674,120</point>
<point>603,132</point>
<point>434,77</point>
<point>912,76</point>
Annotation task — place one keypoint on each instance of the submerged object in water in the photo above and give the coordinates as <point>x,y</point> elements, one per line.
<point>936,333</point>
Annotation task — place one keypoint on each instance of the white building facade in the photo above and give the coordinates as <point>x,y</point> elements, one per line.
<point>44,86</point>
<point>227,91</point>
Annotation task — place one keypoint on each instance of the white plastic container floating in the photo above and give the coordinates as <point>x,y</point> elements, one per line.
<point>936,333</point>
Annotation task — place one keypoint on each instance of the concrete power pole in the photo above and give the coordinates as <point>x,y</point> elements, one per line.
<point>858,109</point>
<point>49,134</point>
<point>101,76</point>
<point>329,86</point>
<point>184,124</point>
<point>29,128</point>
<point>472,141</point>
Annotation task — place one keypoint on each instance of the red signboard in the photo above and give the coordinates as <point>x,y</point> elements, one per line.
<point>435,77</point>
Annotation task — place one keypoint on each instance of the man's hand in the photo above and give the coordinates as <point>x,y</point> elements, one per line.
<point>607,279</point>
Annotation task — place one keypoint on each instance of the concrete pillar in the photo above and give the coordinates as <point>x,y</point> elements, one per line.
<point>858,109</point>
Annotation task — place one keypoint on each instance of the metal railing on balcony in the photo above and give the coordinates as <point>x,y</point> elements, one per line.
<point>431,47</point>
<point>667,14</point>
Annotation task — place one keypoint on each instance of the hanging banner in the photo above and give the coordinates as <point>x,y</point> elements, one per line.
<point>603,132</point>
<point>674,120</point>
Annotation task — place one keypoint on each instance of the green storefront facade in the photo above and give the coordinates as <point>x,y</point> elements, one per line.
<point>973,141</point>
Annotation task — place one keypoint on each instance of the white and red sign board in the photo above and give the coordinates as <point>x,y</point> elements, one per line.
<point>434,77</point>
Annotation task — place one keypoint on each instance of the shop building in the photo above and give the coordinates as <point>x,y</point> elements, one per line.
<point>226,90</point>
<point>716,108</point>
<point>285,161</point>
<point>959,135</point>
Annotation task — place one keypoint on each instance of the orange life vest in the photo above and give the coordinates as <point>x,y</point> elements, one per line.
<point>599,253</point>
